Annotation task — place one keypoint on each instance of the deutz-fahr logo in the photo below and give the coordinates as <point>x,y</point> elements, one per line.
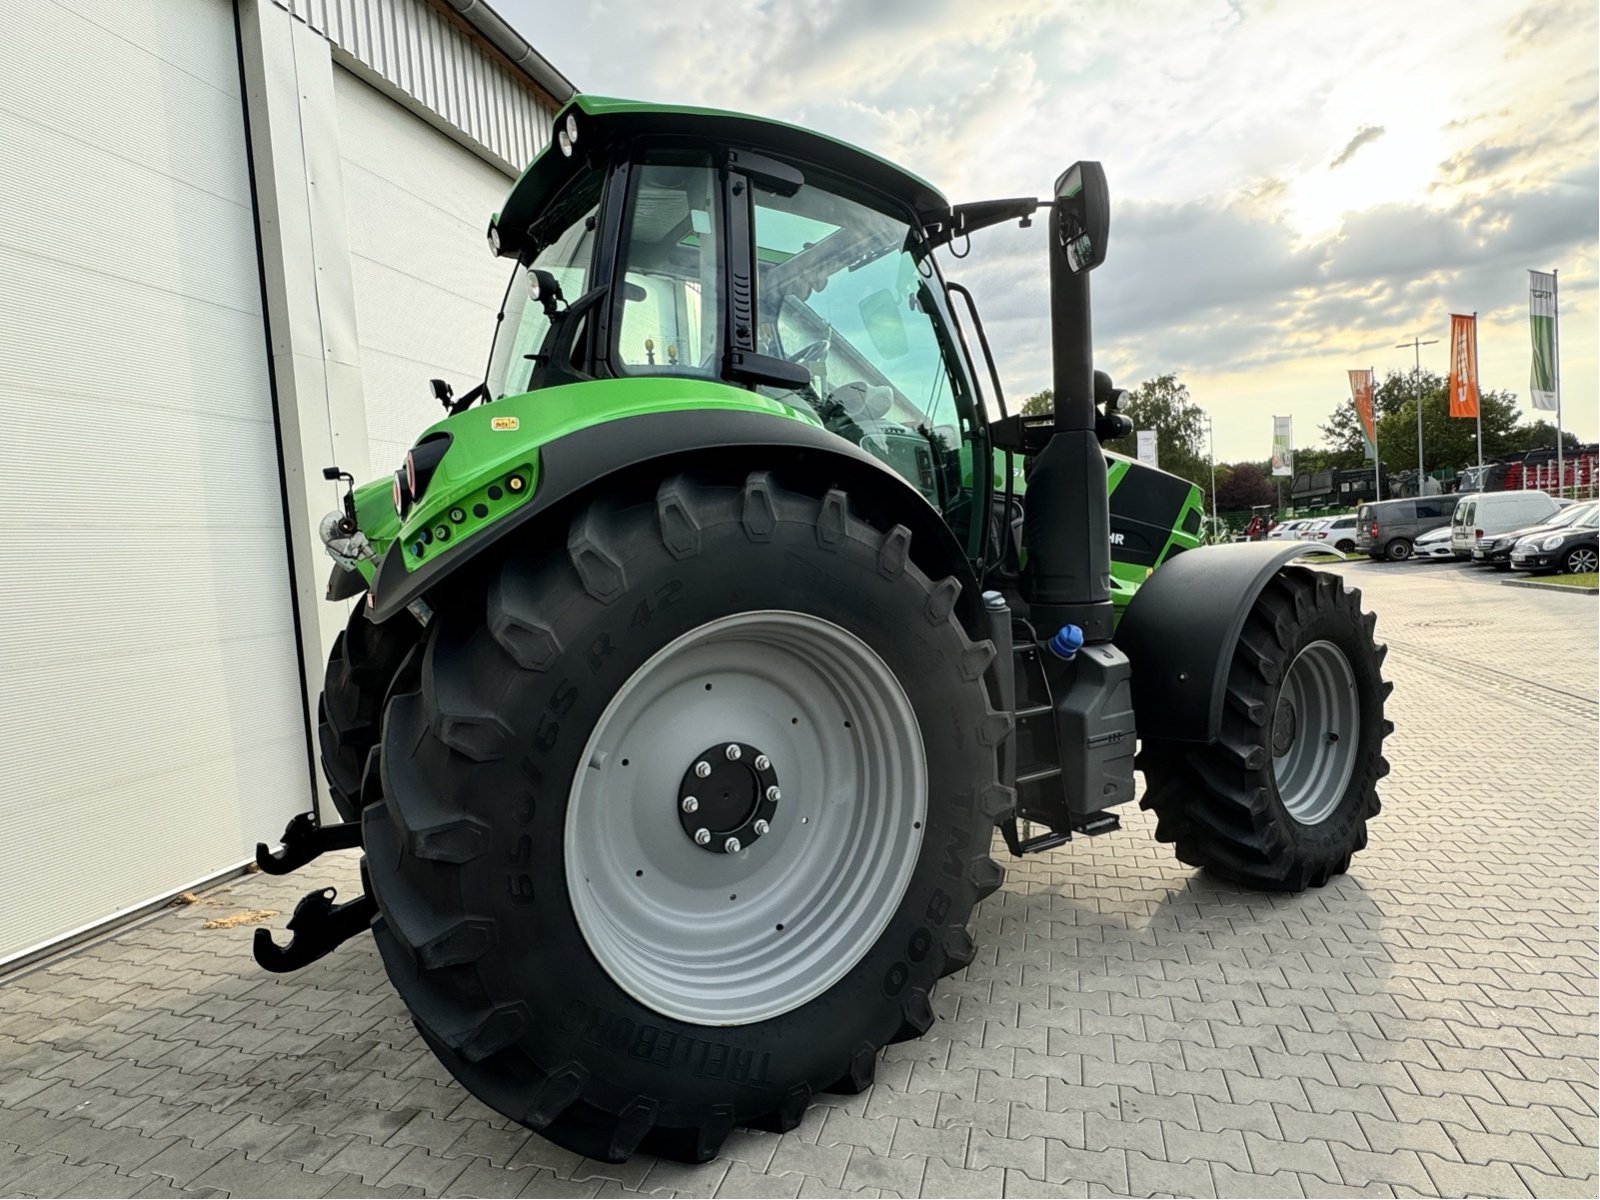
<point>1119,539</point>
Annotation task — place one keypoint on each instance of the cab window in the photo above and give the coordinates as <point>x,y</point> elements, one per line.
<point>669,306</point>
<point>850,293</point>
<point>565,248</point>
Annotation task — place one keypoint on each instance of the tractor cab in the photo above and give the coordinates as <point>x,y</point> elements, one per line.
<point>663,246</point>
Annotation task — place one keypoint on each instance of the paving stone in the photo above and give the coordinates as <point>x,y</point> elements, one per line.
<point>741,1182</point>
<point>902,1176</point>
<point>1460,1179</point>
<point>483,1178</point>
<point>420,1168</point>
<point>1228,1182</point>
<point>1150,1176</point>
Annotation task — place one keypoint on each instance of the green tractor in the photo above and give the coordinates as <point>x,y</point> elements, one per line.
<point>703,646</point>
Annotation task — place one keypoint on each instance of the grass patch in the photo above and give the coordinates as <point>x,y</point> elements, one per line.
<point>1587,579</point>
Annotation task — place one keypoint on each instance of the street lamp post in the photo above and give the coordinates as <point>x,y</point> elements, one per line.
<point>1211,438</point>
<point>1416,344</point>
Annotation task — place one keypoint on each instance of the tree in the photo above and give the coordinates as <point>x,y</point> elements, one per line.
<point>1163,404</point>
<point>1448,442</point>
<point>1039,404</point>
<point>1538,436</point>
<point>1241,486</point>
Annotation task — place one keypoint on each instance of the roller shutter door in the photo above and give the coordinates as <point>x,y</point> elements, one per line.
<point>150,697</point>
<point>426,287</point>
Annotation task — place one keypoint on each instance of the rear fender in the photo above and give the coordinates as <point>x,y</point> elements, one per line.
<point>1180,629</point>
<point>592,459</point>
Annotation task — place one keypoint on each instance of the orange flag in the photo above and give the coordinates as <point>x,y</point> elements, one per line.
<point>1361,392</point>
<point>1463,365</point>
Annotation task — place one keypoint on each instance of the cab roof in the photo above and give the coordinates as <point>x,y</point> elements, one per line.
<point>604,122</point>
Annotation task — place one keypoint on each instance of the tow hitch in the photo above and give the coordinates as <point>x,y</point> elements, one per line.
<point>304,838</point>
<point>318,925</point>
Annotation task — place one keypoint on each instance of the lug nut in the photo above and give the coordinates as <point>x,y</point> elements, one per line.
<point>761,827</point>
<point>774,794</point>
<point>762,762</point>
<point>690,804</point>
<point>731,845</point>
<point>732,752</point>
<point>702,769</point>
<point>702,837</point>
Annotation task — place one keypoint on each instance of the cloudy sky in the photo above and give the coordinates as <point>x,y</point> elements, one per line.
<point>1296,186</point>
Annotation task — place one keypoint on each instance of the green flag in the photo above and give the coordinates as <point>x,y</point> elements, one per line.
<point>1542,319</point>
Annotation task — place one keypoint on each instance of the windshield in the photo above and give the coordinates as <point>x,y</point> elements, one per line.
<point>847,291</point>
<point>1571,516</point>
<point>564,246</point>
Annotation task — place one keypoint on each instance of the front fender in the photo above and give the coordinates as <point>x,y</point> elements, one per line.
<point>1180,629</point>
<point>586,458</point>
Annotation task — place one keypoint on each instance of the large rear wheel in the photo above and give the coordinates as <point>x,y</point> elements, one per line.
<point>682,825</point>
<point>1282,799</point>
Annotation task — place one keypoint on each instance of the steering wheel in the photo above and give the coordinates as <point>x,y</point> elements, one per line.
<point>811,352</point>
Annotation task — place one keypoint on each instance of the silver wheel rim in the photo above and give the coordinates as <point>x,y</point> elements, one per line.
<point>1583,561</point>
<point>1315,732</point>
<point>732,938</point>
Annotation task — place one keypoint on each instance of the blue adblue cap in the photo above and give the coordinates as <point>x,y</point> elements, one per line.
<point>1067,642</point>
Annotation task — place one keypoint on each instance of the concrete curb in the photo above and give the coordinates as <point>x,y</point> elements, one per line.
<point>1570,589</point>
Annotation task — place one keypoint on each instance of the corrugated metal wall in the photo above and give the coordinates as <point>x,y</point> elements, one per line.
<point>420,52</point>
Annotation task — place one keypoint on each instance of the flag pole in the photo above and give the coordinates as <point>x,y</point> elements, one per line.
<point>1555,296</point>
<point>1377,460</point>
<point>1476,381</point>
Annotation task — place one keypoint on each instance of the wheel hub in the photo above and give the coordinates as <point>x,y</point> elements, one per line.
<point>727,798</point>
<point>1283,728</point>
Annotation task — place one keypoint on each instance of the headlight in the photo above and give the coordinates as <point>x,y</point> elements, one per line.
<point>571,126</point>
<point>565,142</point>
<point>1551,542</point>
<point>494,239</point>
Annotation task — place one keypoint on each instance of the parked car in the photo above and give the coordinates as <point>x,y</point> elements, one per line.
<point>1389,528</point>
<point>1288,529</point>
<point>1337,533</point>
<point>1485,514</point>
<point>1495,549</point>
<point>1434,544</point>
<point>1571,549</point>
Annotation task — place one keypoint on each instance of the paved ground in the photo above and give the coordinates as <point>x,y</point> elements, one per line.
<point>1425,1025</point>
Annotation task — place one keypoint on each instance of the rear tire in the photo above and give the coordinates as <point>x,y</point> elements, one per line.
<point>530,814</point>
<point>1346,547</point>
<point>1264,805</point>
<point>361,666</point>
<point>1398,550</point>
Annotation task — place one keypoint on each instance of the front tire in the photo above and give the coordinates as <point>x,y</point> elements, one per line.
<point>576,955</point>
<point>1282,799</point>
<point>1580,560</point>
<point>361,667</point>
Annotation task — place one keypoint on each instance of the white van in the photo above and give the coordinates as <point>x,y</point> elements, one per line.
<point>1489,513</point>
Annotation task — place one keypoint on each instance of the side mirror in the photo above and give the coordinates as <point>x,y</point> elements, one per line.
<point>1082,216</point>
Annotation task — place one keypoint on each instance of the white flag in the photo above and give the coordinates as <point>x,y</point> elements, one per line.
<point>1542,322</point>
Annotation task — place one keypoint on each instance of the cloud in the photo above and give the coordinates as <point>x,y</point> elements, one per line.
<point>1242,254</point>
<point>1364,135</point>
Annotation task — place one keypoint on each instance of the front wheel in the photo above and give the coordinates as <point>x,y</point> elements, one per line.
<point>362,666</point>
<point>684,819</point>
<point>1580,560</point>
<point>1282,799</point>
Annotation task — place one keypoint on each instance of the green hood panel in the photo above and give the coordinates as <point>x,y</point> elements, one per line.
<point>492,465</point>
